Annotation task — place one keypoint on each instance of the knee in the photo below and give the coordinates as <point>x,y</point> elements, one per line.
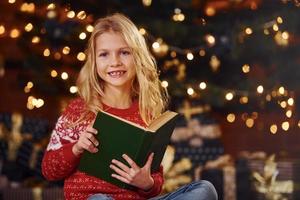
<point>209,189</point>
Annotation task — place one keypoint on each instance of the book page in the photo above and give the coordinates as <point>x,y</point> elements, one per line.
<point>124,120</point>
<point>161,120</point>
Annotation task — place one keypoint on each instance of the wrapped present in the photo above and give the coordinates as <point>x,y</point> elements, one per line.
<point>222,174</point>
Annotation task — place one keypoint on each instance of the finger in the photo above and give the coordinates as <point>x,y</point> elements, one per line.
<point>149,161</point>
<point>130,162</point>
<point>91,130</point>
<point>93,140</point>
<point>91,137</point>
<point>120,172</point>
<point>89,146</point>
<point>121,178</point>
<point>121,165</point>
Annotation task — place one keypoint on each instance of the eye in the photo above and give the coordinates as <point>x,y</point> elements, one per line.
<point>103,54</point>
<point>125,52</point>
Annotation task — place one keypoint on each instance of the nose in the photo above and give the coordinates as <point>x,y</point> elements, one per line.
<point>115,60</point>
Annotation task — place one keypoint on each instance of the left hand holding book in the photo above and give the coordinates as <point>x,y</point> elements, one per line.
<point>87,141</point>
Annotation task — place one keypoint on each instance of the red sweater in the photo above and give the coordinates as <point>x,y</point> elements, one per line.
<point>59,162</point>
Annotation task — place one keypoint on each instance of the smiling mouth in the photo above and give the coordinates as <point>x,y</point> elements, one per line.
<point>116,73</point>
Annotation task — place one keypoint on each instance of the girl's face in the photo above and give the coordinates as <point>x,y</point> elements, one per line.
<point>114,61</point>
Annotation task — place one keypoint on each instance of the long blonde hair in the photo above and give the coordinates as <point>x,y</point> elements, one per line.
<point>146,86</point>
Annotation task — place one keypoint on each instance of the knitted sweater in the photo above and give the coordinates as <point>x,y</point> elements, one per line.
<point>59,162</point>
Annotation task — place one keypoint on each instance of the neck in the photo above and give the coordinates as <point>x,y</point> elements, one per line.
<point>116,98</point>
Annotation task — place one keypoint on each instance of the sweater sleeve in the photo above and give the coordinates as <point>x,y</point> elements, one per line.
<point>59,161</point>
<point>157,186</point>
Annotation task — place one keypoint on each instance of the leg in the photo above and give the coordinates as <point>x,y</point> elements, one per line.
<point>198,190</point>
<point>100,197</point>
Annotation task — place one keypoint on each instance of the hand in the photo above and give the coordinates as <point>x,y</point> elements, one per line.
<point>136,176</point>
<point>86,141</point>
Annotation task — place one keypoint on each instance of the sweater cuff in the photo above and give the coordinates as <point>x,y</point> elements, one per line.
<point>155,190</point>
<point>68,153</point>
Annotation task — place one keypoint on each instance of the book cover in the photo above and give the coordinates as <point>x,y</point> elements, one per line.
<point>117,136</point>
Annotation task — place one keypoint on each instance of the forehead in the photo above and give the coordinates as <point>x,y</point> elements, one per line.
<point>110,40</point>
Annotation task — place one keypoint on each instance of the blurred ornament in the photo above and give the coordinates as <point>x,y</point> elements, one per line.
<point>214,63</point>
<point>174,172</point>
<point>281,38</point>
<point>181,72</point>
<point>267,184</point>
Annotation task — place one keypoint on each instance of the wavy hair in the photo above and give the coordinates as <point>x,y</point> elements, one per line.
<point>146,86</point>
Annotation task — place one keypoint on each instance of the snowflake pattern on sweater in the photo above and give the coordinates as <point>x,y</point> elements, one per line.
<point>59,162</point>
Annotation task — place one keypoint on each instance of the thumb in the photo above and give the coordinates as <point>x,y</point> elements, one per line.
<point>149,161</point>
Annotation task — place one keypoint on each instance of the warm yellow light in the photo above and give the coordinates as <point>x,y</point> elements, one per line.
<point>11,1</point>
<point>81,56</point>
<point>249,122</point>
<point>89,28</point>
<point>64,76</point>
<point>81,15</point>
<point>73,89</point>
<point>26,89</point>
<point>35,40</point>
<point>299,123</point>
<point>260,89</point>
<point>210,11</point>
<point>28,27</point>
<point>230,117</point>
<point>285,35</point>
<point>244,100</point>
<point>275,27</point>
<point>266,32</point>
<point>273,128</point>
<point>164,84</point>
<point>46,52</point>
<point>202,85</point>
<point>2,29</point>
<point>155,45</point>
<point>51,6</point>
<point>290,101</point>
<point>39,103</point>
<point>173,54</point>
<point>14,33</point>
<point>189,56</point>
<point>190,91</point>
<point>180,17</point>
<point>51,14</point>
<point>279,20</point>
<point>53,73</point>
<point>82,35</point>
<point>248,31</point>
<point>281,90</point>
<point>229,96</point>
<point>210,39</point>
<point>57,56</point>
<point>142,31</point>
<point>71,14</point>
<point>268,97</point>
<point>202,52</point>
<point>30,84</point>
<point>285,126</point>
<point>66,50</point>
<point>289,113</point>
<point>246,68</point>
<point>147,2</point>
<point>283,104</point>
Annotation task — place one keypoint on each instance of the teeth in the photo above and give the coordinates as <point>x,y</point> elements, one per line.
<point>116,73</point>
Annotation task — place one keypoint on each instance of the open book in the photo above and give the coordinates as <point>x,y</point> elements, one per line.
<point>118,136</point>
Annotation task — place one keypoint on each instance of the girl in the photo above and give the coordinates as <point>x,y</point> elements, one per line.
<point>119,77</point>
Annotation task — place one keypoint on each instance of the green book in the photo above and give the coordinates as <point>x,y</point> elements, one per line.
<point>118,136</point>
